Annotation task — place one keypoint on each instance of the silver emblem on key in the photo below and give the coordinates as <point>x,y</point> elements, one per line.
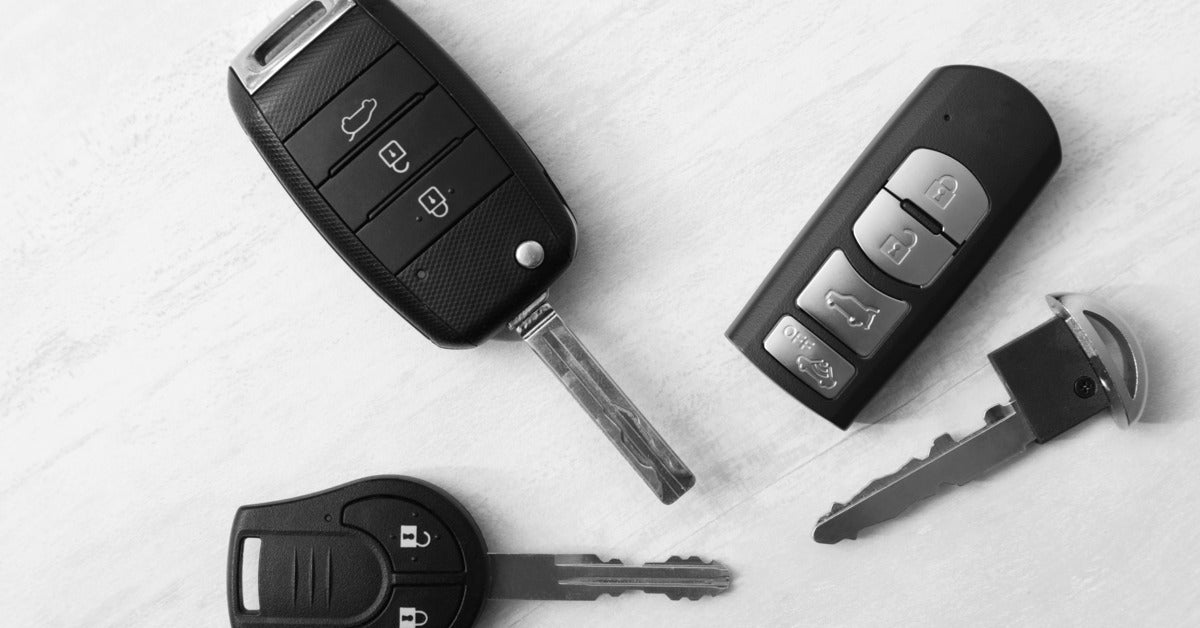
<point>1069,369</point>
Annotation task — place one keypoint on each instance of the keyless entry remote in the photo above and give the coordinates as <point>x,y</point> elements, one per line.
<point>395,552</point>
<point>899,239</point>
<point>417,181</point>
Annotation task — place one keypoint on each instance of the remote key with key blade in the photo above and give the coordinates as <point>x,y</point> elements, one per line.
<point>1083,362</point>
<point>425,190</point>
<point>395,552</point>
<point>899,239</point>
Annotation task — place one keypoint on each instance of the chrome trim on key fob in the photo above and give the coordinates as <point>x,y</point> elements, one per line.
<point>273,48</point>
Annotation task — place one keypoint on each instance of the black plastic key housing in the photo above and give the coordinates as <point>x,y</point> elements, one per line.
<point>407,169</point>
<point>383,552</point>
<point>899,239</point>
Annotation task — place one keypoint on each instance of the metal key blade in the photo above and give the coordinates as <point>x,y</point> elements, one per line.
<point>647,452</point>
<point>1006,434</point>
<point>586,577</point>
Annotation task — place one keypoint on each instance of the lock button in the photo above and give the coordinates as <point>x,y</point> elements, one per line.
<point>943,188</point>
<point>414,539</point>
<point>898,244</point>
<point>437,201</point>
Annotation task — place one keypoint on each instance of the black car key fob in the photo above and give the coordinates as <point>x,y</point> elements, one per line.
<point>396,552</point>
<point>416,180</point>
<point>899,239</point>
<point>403,164</point>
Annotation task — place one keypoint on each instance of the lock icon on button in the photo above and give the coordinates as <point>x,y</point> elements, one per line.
<point>412,617</point>
<point>412,537</point>
<point>896,249</point>
<point>942,191</point>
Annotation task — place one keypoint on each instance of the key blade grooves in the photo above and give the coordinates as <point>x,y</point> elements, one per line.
<point>624,425</point>
<point>585,577</point>
<point>949,462</point>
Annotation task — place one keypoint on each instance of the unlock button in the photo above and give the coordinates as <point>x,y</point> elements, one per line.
<point>898,244</point>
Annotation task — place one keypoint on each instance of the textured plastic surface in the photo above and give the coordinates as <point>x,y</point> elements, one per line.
<point>341,558</point>
<point>464,312</point>
<point>985,120</point>
<point>321,70</point>
<point>461,258</point>
<point>1040,370</point>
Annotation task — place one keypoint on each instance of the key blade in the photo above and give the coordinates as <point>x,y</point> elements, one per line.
<point>637,440</point>
<point>585,577</point>
<point>1006,434</point>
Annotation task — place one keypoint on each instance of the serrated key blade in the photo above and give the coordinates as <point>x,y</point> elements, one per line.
<point>625,426</point>
<point>1006,434</point>
<point>587,577</point>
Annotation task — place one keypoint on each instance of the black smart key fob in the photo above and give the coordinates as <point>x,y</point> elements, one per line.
<point>404,166</point>
<point>899,239</point>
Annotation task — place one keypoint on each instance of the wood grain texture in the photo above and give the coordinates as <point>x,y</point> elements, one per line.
<point>177,340</point>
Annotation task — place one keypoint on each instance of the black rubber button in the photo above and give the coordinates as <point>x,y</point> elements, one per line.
<point>350,118</point>
<point>332,576</point>
<point>395,157</point>
<point>414,539</point>
<point>423,607</point>
<point>441,198</point>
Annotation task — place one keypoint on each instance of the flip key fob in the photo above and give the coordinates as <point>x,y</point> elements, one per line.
<point>404,166</point>
<point>899,239</point>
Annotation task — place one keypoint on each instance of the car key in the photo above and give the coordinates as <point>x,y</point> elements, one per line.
<point>419,183</point>
<point>899,239</point>
<point>1069,369</point>
<point>395,552</point>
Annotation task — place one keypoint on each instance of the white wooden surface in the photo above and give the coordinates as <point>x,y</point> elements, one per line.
<point>178,341</point>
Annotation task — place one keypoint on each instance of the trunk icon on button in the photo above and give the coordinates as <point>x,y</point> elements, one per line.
<point>359,120</point>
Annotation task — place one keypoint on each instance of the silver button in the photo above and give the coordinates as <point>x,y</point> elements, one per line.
<point>808,358</point>
<point>898,244</point>
<point>849,307</point>
<point>944,188</point>
<point>530,254</point>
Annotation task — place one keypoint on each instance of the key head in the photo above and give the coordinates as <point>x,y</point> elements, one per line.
<point>403,165</point>
<point>1112,348</point>
<point>383,552</point>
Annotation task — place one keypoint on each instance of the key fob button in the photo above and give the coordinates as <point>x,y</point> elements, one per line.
<point>361,108</point>
<point>414,539</point>
<point>435,203</point>
<point>395,157</point>
<point>898,244</point>
<point>849,307</point>
<point>307,576</point>
<point>944,189</point>
<point>808,358</point>
<point>423,607</point>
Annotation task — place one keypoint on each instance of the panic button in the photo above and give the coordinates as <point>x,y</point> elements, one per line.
<point>944,189</point>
